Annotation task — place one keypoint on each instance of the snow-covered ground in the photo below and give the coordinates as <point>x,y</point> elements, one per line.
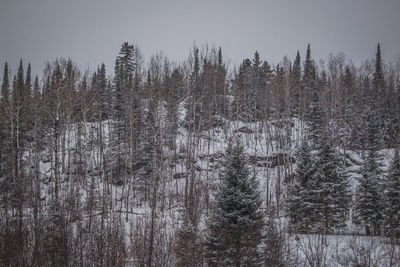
<point>271,148</point>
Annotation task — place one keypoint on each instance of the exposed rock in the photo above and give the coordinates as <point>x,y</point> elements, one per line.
<point>244,129</point>
<point>179,175</point>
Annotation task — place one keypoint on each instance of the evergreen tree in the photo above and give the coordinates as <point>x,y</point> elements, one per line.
<point>119,131</point>
<point>257,85</point>
<point>196,73</point>
<point>127,64</point>
<point>308,81</point>
<point>300,203</point>
<point>36,89</point>
<point>333,203</point>
<point>242,105</point>
<point>221,72</point>
<point>5,93</point>
<point>391,212</point>
<point>235,229</point>
<point>275,246</point>
<point>125,67</point>
<point>100,85</point>
<point>19,89</point>
<point>309,76</point>
<point>295,80</point>
<point>317,118</point>
<point>28,81</point>
<point>349,97</point>
<point>378,76</point>
<point>136,111</point>
<point>188,247</point>
<point>194,102</point>
<point>175,93</point>
<point>4,133</point>
<point>369,206</point>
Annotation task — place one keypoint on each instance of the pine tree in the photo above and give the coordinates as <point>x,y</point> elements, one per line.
<point>175,92</point>
<point>309,76</point>
<point>349,96</point>
<point>378,76</point>
<point>194,102</point>
<point>5,93</point>
<point>28,81</point>
<point>309,83</point>
<point>221,103</point>
<point>317,118</point>
<point>295,82</point>
<point>242,103</point>
<point>99,83</point>
<point>127,64</point>
<point>257,86</point>
<point>119,133</point>
<point>19,90</point>
<point>369,206</point>
<point>36,89</point>
<point>300,202</point>
<point>391,212</point>
<point>334,198</point>
<point>276,249</point>
<point>235,229</point>
<point>124,69</point>
<point>188,247</point>
<point>4,133</point>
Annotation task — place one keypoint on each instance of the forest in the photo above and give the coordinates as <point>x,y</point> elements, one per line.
<point>201,163</point>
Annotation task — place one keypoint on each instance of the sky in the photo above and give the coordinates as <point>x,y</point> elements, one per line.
<point>91,32</point>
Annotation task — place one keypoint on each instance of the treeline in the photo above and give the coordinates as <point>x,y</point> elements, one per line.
<point>82,152</point>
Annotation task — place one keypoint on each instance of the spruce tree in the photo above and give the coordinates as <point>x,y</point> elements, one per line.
<point>257,85</point>
<point>221,72</point>
<point>334,198</point>
<point>125,66</point>
<point>193,103</point>
<point>391,212</point>
<point>369,206</point>
<point>300,203</point>
<point>235,230</point>
<point>36,89</point>
<point>276,251</point>
<point>28,81</point>
<point>188,246</point>
<point>378,76</point>
<point>119,130</point>
<point>309,76</point>
<point>100,91</point>
<point>5,86</point>
<point>295,81</point>
<point>175,92</point>
<point>317,118</point>
<point>308,82</point>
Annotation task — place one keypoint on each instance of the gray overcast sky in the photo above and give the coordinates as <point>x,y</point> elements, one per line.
<point>91,32</point>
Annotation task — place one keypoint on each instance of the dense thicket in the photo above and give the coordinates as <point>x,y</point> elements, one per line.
<point>101,169</point>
